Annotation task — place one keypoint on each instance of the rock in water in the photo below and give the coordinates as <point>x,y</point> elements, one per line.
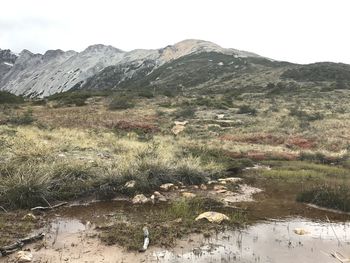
<point>213,217</point>
<point>300,231</point>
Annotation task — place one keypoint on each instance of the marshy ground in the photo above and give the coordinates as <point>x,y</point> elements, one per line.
<point>294,149</point>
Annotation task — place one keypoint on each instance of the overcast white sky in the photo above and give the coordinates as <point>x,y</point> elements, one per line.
<point>300,31</point>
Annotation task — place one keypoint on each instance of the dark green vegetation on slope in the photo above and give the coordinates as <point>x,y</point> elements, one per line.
<point>8,98</point>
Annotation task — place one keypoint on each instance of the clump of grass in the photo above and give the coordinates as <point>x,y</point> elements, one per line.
<point>246,109</point>
<point>187,112</point>
<point>121,103</point>
<point>146,94</point>
<point>214,103</point>
<point>326,196</point>
<point>296,170</point>
<point>26,118</point>
<point>68,166</point>
<point>291,175</point>
<point>306,116</point>
<point>213,155</point>
<point>70,180</point>
<point>24,188</point>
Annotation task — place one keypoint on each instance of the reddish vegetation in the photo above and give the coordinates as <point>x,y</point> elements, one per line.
<point>269,139</point>
<point>255,139</point>
<point>301,143</point>
<point>133,126</point>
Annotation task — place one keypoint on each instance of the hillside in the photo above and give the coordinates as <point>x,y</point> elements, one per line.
<point>37,75</point>
<point>188,67</point>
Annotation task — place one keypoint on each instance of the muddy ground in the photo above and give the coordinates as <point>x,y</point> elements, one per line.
<point>268,234</point>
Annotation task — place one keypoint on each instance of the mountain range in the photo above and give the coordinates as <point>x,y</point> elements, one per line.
<point>190,64</point>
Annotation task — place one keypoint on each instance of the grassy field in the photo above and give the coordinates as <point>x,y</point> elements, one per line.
<point>63,149</point>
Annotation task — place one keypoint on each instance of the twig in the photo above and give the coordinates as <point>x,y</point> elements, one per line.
<point>46,201</point>
<point>339,242</point>
<point>3,209</point>
<point>340,257</point>
<point>6,250</point>
<point>44,208</point>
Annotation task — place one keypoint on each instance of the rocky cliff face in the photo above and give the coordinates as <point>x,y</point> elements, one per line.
<point>7,59</point>
<point>38,75</point>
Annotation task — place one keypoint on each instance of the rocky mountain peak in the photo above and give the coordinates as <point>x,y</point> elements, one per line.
<point>101,48</point>
<point>52,53</point>
<point>7,55</point>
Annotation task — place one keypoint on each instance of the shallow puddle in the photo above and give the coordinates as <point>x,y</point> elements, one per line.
<point>269,238</point>
<point>70,240</point>
<point>270,242</point>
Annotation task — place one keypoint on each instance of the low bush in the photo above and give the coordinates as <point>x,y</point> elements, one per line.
<point>25,118</point>
<point>186,112</point>
<point>121,103</point>
<point>8,98</point>
<point>306,116</point>
<point>246,109</point>
<point>77,98</point>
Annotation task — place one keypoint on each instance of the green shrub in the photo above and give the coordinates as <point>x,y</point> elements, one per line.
<point>8,98</point>
<point>24,188</point>
<point>186,112</point>
<point>145,94</point>
<point>77,98</point>
<point>306,116</point>
<point>121,103</point>
<point>38,102</point>
<point>25,118</point>
<point>246,109</point>
<point>214,103</point>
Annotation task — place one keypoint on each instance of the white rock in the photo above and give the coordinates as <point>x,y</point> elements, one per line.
<point>159,197</point>
<point>24,256</point>
<point>213,217</point>
<point>231,180</point>
<point>140,199</point>
<point>188,195</point>
<point>130,184</point>
<point>167,187</point>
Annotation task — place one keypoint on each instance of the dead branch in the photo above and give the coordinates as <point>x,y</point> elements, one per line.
<point>6,250</point>
<point>3,209</point>
<point>340,257</point>
<point>44,208</point>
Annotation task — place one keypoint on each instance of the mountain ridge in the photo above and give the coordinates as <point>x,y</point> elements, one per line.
<point>37,75</point>
<point>185,64</point>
